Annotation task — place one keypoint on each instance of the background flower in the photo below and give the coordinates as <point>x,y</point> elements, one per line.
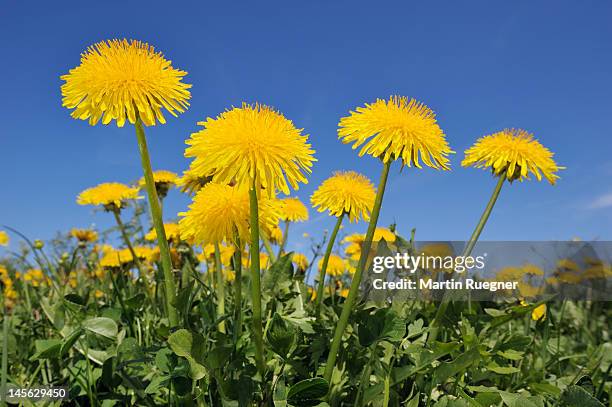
<point>345,192</point>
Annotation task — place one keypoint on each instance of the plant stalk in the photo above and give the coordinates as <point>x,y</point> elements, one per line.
<point>353,291</point>
<point>158,224</point>
<point>127,242</point>
<point>435,324</point>
<point>220,288</point>
<point>323,271</point>
<point>256,281</point>
<point>238,289</point>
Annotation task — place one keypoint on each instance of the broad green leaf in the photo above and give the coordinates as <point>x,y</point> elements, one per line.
<point>576,396</point>
<point>102,326</point>
<point>309,389</point>
<point>47,349</point>
<point>281,336</point>
<point>191,347</point>
<point>456,366</point>
<point>70,340</point>
<point>503,369</point>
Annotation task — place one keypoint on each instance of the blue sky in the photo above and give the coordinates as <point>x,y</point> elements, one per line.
<point>481,65</point>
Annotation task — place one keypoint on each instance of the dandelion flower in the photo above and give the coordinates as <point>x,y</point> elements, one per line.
<point>539,313</point>
<point>275,234</point>
<point>111,195</point>
<point>171,229</point>
<point>121,80</point>
<point>190,183</point>
<point>335,266</point>
<point>345,193</point>
<point>163,181</point>
<point>219,210</point>
<point>293,210</point>
<point>4,238</point>
<point>397,128</point>
<point>515,153</point>
<point>84,235</point>
<point>300,261</point>
<point>355,241</point>
<point>251,142</point>
<point>116,258</point>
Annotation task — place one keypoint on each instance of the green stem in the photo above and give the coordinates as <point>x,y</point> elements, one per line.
<point>126,240</point>
<point>268,247</point>
<point>255,281</point>
<point>220,288</point>
<point>5,333</point>
<point>322,272</point>
<point>238,289</point>
<point>353,291</point>
<point>435,323</point>
<point>281,248</point>
<point>158,223</point>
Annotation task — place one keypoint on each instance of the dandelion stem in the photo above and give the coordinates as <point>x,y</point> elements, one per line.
<point>352,295</point>
<point>126,240</point>
<point>268,247</point>
<point>158,224</point>
<point>238,289</point>
<point>255,281</point>
<point>435,323</point>
<point>281,248</point>
<point>220,288</point>
<point>323,271</point>
<point>5,333</point>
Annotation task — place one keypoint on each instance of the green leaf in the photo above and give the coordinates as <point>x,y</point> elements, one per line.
<point>70,340</point>
<point>156,383</point>
<point>458,365</point>
<point>281,336</point>
<point>503,369</point>
<point>217,356</point>
<point>102,326</point>
<point>191,347</point>
<point>279,274</point>
<point>576,396</point>
<point>511,354</point>
<point>136,301</point>
<point>309,389</point>
<point>47,349</point>
<point>280,393</point>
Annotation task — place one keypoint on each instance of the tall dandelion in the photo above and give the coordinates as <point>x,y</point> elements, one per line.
<point>292,210</point>
<point>394,129</point>
<point>123,81</point>
<point>257,148</point>
<point>113,197</point>
<point>510,155</point>
<point>347,194</point>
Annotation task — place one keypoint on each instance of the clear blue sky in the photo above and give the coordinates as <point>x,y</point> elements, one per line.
<point>481,65</point>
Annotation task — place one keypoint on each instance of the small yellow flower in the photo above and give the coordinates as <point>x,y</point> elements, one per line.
<point>251,143</point>
<point>567,264</point>
<point>111,195</point>
<point>539,313</point>
<point>98,294</point>
<point>344,292</point>
<point>312,293</point>
<point>190,183</point>
<point>35,277</point>
<point>515,152</point>
<point>172,233</point>
<point>264,260</point>
<point>123,80</point>
<point>84,235</point>
<point>336,265</point>
<point>116,258</point>
<point>163,180</point>
<point>275,234</point>
<point>293,210</point>
<point>398,128</point>
<point>300,261</point>
<point>218,211</point>
<point>345,192</point>
<point>355,241</point>
<point>4,238</point>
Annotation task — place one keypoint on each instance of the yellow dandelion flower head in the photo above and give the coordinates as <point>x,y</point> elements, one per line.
<point>385,234</point>
<point>84,235</point>
<point>116,258</point>
<point>161,177</point>
<point>251,142</point>
<point>274,234</point>
<point>335,266</point>
<point>345,192</point>
<point>146,253</point>
<point>229,275</point>
<point>218,210</point>
<point>293,210</point>
<point>514,153</point>
<point>190,182</point>
<point>312,293</point>
<point>344,292</point>
<point>110,195</point>
<point>539,313</point>
<point>123,80</point>
<point>300,261</point>
<point>172,233</point>
<point>398,128</point>
<point>98,294</point>
<point>4,238</point>
<point>35,276</point>
<point>567,264</point>
<point>264,260</point>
